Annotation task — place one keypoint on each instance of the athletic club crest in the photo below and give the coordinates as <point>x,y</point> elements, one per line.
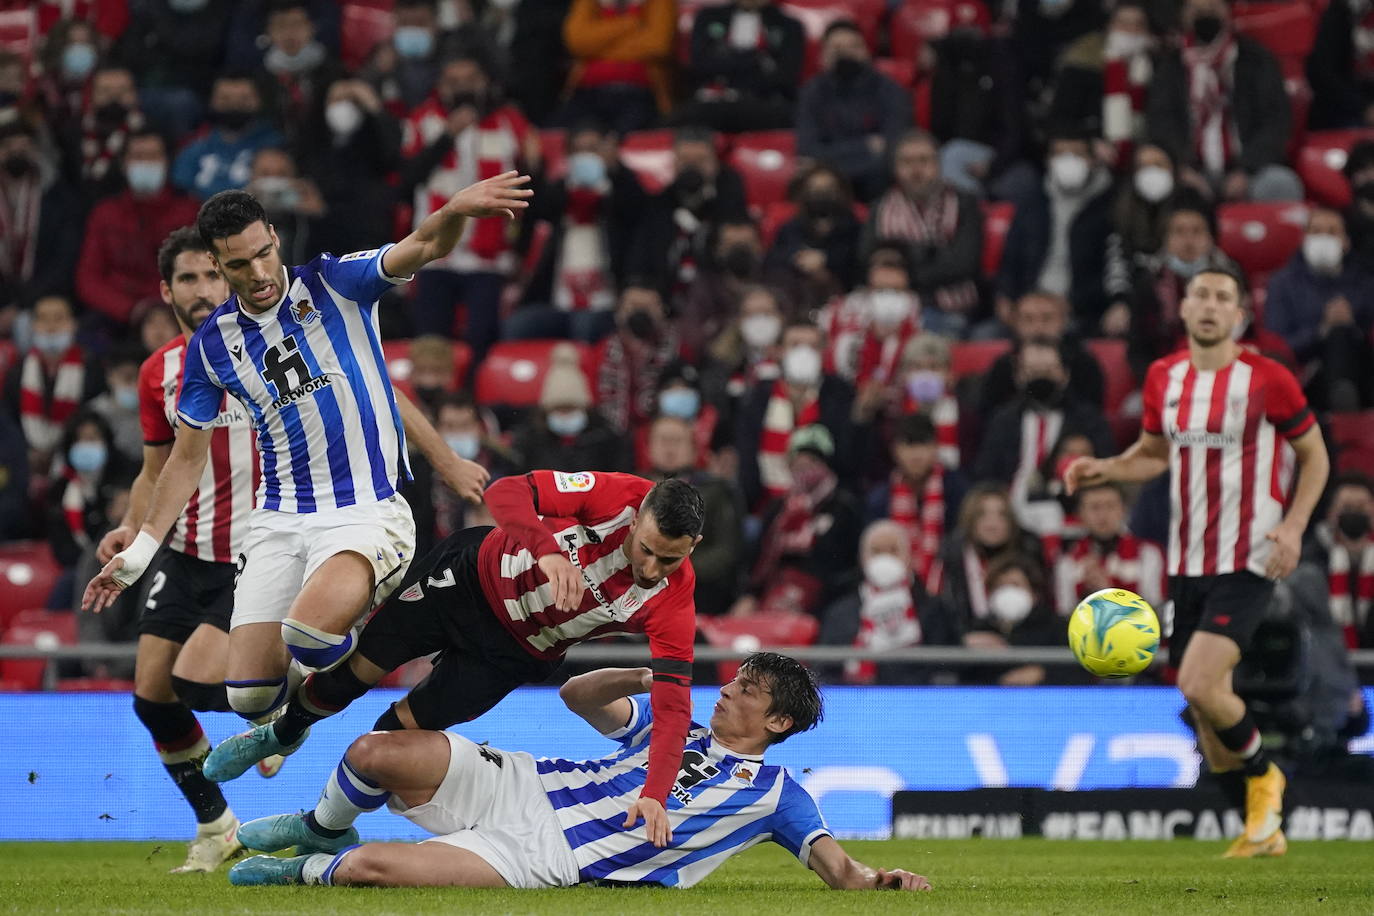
<point>303,311</point>
<point>414,593</point>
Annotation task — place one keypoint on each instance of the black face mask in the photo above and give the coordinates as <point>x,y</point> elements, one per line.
<point>1207,28</point>
<point>642,325</point>
<point>740,261</point>
<point>1044,391</point>
<point>112,114</point>
<point>690,180</point>
<point>430,394</point>
<point>847,69</point>
<point>17,165</point>
<point>468,98</point>
<point>233,118</point>
<point>1353,525</point>
<point>820,206</point>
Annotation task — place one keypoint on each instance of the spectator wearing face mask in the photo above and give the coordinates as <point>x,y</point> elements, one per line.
<point>814,255</point>
<point>1137,228</point>
<point>674,450</point>
<point>1322,304</point>
<point>987,533</point>
<point>1056,240</point>
<point>293,204</point>
<point>566,433</point>
<point>1103,79</point>
<point>594,212</point>
<point>405,69</point>
<point>735,263</point>
<point>1340,69</point>
<point>1035,316</point>
<point>40,221</point>
<point>942,230</point>
<point>118,404</point>
<point>622,54</point>
<point>745,353</point>
<point>1342,546</point>
<point>634,357</point>
<point>357,150</point>
<point>463,133</point>
<point>1218,105</point>
<point>118,265</point>
<point>803,395</point>
<point>1017,615</point>
<point>1108,555</point>
<point>52,381</point>
<point>89,469</point>
<point>94,146</point>
<point>888,609</point>
<point>679,397</point>
<point>927,388</point>
<point>67,61</point>
<point>223,158</point>
<point>849,114</point>
<point>295,70</point>
<point>805,556</point>
<point>250,40</point>
<point>921,495</point>
<point>868,328</point>
<point>175,49</point>
<point>1043,30</point>
<point>431,377</point>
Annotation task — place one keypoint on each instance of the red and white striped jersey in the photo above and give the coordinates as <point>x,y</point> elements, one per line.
<point>586,516</point>
<point>215,520</point>
<point>1230,463</point>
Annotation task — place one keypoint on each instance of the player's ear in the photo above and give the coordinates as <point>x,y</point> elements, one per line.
<point>272,231</point>
<point>778,723</point>
<point>695,541</point>
<point>165,291</point>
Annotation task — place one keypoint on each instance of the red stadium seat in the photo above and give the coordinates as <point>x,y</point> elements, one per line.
<point>1110,354</point>
<point>35,628</point>
<point>974,357</point>
<point>1286,29</point>
<point>27,575</point>
<point>94,685</point>
<point>917,22</point>
<point>553,147</point>
<point>901,70</point>
<point>512,375</point>
<point>816,16</point>
<point>996,221</point>
<point>1320,162</point>
<point>1261,236</point>
<point>770,629</point>
<point>362,27</point>
<point>766,160</point>
<point>1352,434</point>
<point>649,154</point>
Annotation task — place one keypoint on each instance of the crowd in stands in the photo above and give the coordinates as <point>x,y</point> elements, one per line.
<point>868,273</point>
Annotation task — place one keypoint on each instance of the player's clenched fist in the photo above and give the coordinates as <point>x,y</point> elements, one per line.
<point>897,879</point>
<point>500,195</point>
<point>564,579</point>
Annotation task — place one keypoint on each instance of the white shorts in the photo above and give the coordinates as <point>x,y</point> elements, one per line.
<point>499,812</point>
<point>283,549</point>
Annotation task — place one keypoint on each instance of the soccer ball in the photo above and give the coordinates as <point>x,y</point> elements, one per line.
<point>1114,633</point>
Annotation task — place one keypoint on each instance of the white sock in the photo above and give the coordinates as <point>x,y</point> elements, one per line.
<point>346,796</point>
<point>314,869</point>
<point>220,824</point>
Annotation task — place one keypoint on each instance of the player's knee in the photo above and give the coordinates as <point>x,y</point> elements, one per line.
<point>313,648</point>
<point>374,755</point>
<point>255,699</point>
<point>361,866</point>
<point>200,696</point>
<point>1197,687</point>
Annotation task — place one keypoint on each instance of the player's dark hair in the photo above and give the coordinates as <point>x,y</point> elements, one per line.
<point>184,239</point>
<point>1224,270</point>
<point>228,213</point>
<point>677,507</point>
<point>793,687</point>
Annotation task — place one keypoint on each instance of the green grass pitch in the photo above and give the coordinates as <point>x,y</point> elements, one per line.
<point>974,876</point>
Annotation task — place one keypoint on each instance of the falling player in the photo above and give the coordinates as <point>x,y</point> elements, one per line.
<point>299,348</point>
<point>573,556</point>
<point>1217,417</point>
<point>184,627</point>
<point>503,818</point>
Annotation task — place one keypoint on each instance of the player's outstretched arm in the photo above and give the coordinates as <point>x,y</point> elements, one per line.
<point>1314,466</point>
<point>466,478</point>
<point>843,873</point>
<point>1146,459</point>
<point>438,233</point>
<point>140,494</point>
<point>600,696</point>
<point>179,478</point>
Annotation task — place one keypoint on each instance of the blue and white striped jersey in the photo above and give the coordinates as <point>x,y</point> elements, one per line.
<point>721,804</point>
<point>312,375</point>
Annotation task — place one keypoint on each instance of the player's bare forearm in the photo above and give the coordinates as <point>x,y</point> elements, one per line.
<point>466,478</point>
<point>599,696</point>
<point>844,873</point>
<point>1314,467</point>
<point>141,492</point>
<point>438,234</point>
<point>1146,459</point>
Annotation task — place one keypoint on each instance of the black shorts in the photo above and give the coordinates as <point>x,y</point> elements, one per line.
<point>185,592</point>
<point>1230,605</point>
<point>440,607</point>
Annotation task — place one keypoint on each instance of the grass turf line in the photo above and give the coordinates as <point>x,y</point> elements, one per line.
<point>970,876</point>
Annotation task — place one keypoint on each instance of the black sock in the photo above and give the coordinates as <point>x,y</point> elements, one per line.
<point>1243,739</point>
<point>1232,785</point>
<point>182,746</point>
<point>388,721</point>
<point>321,695</point>
<point>326,832</point>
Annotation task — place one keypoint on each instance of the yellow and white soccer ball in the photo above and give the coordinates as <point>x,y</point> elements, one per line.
<point>1114,633</point>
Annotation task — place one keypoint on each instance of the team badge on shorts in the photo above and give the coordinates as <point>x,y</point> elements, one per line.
<point>414,593</point>
<point>576,482</point>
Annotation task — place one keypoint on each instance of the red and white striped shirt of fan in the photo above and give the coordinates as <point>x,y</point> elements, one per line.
<point>1230,463</point>
<point>213,525</point>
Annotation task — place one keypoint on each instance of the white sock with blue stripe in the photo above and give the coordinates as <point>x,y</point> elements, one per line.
<point>346,796</point>
<point>319,865</point>
<point>315,649</point>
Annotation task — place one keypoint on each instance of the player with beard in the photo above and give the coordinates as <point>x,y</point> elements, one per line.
<point>1224,422</point>
<point>184,629</point>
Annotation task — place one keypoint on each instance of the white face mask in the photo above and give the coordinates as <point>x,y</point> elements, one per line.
<point>802,366</point>
<point>1010,604</point>
<point>1069,171</point>
<point>343,117</point>
<point>1154,183</point>
<point>760,331</point>
<point>890,307</point>
<point>1125,44</point>
<point>884,570</point>
<point>1323,253</point>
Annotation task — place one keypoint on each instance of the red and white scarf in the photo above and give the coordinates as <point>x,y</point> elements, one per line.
<point>101,152</point>
<point>780,418</point>
<point>627,381</point>
<point>47,402</point>
<point>1130,563</point>
<point>1351,588</point>
<point>76,495</point>
<point>1211,77</point>
<point>1125,82</point>
<point>975,573</point>
<point>879,355</point>
<point>793,531</point>
<point>582,269</point>
<point>923,518</point>
<point>21,204</point>
<point>933,222</point>
<point>944,414</point>
<point>888,619</point>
